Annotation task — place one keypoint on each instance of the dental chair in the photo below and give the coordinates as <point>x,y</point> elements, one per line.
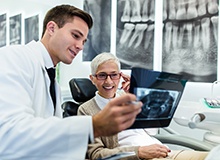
<point>82,90</point>
<point>201,116</point>
<point>174,139</point>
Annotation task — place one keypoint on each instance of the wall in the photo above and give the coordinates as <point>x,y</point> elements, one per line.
<point>33,7</point>
<point>82,69</point>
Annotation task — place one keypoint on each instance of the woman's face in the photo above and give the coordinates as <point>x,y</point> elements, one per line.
<point>108,87</point>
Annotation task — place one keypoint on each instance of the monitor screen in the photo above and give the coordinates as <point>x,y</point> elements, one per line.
<point>160,93</point>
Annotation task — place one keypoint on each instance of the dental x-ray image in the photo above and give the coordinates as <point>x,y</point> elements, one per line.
<point>160,93</point>
<point>135,33</point>
<point>99,36</point>
<point>156,103</point>
<point>15,29</point>
<point>31,29</point>
<point>2,30</point>
<point>190,38</point>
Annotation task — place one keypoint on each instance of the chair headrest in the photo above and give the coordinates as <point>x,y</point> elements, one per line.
<point>82,89</point>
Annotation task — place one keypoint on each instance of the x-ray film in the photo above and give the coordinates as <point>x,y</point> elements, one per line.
<point>160,93</point>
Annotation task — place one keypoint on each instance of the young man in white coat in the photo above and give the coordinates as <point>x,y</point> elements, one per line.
<point>31,125</point>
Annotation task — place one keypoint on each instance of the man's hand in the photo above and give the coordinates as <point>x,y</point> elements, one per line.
<point>116,116</point>
<point>153,151</point>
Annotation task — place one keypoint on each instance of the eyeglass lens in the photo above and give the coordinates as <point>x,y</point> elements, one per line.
<point>103,76</point>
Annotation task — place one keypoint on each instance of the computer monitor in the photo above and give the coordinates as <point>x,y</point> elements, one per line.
<point>160,93</point>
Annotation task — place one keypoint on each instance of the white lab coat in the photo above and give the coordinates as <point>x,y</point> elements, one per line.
<point>214,153</point>
<point>28,129</point>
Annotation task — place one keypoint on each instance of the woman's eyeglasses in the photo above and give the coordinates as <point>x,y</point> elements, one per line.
<point>104,76</point>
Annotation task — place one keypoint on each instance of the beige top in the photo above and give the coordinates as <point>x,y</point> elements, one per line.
<point>103,146</point>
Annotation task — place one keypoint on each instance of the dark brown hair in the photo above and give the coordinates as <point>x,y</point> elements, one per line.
<point>65,13</point>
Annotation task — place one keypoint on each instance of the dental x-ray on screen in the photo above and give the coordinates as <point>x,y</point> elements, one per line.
<point>160,93</point>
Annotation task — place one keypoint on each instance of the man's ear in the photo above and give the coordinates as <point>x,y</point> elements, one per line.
<point>51,27</point>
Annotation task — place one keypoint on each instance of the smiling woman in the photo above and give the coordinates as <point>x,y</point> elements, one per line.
<point>105,69</point>
<point>137,141</point>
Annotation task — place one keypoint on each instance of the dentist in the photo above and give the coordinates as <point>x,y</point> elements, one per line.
<point>31,123</point>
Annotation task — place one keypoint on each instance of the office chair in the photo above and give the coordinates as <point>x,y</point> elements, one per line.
<point>82,89</point>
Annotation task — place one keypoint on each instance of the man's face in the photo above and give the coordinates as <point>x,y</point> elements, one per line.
<point>106,88</point>
<point>66,42</point>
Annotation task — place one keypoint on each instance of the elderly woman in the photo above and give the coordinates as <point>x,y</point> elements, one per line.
<point>106,75</point>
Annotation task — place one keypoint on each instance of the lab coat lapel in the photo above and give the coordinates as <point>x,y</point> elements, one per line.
<point>58,111</point>
<point>49,107</point>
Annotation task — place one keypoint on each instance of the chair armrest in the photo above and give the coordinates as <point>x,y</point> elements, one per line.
<point>70,108</point>
<point>184,141</point>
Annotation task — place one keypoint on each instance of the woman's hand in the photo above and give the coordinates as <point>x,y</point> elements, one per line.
<point>126,83</point>
<point>153,151</point>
